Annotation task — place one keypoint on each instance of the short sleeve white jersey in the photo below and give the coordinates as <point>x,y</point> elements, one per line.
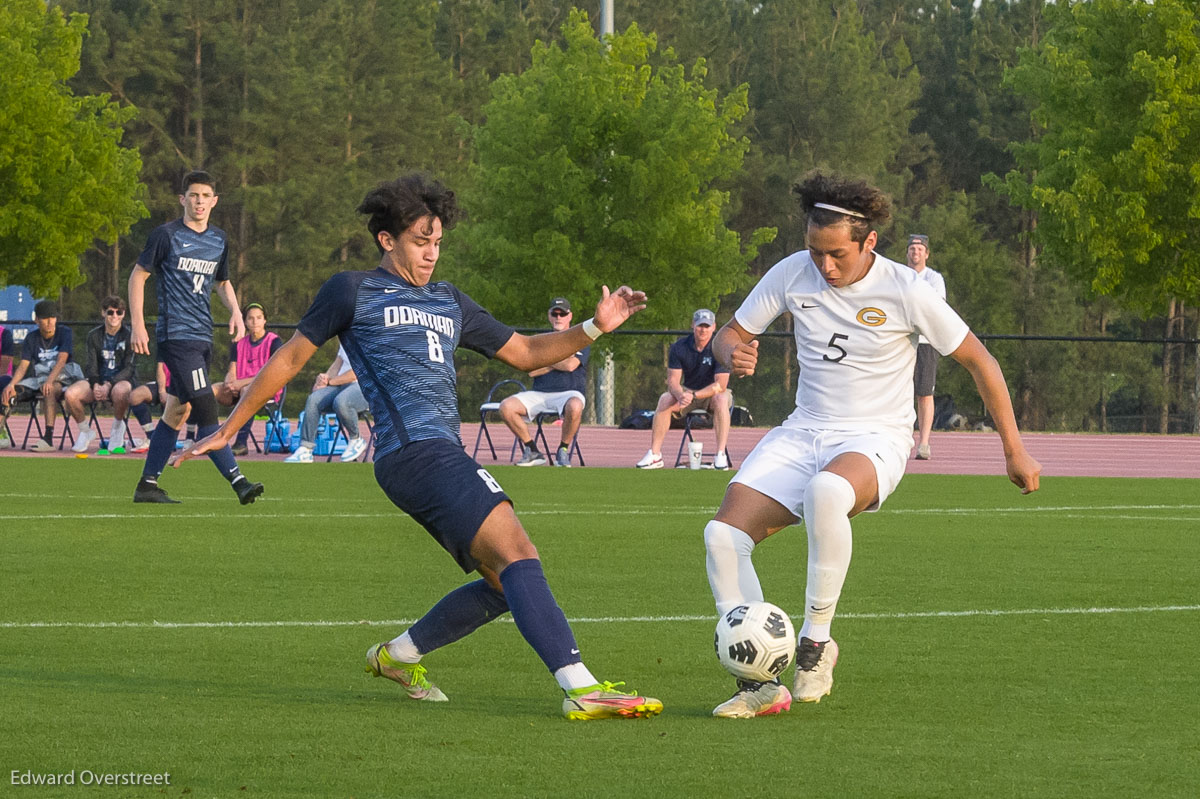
<point>933,278</point>
<point>856,346</point>
<point>345,367</point>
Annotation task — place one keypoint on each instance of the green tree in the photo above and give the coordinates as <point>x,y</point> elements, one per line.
<point>65,177</point>
<point>595,167</point>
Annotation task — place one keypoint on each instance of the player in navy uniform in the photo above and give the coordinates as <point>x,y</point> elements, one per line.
<point>187,257</point>
<point>400,331</point>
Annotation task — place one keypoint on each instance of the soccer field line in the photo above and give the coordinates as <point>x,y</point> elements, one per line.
<point>930,614</point>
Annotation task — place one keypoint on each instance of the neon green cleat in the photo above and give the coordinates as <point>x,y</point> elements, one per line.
<point>409,675</point>
<point>604,701</point>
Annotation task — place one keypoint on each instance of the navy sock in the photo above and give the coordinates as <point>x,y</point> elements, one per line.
<point>162,444</point>
<point>538,617</point>
<point>223,458</point>
<point>142,414</point>
<point>456,615</point>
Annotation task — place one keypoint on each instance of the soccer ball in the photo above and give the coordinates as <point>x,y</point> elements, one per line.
<point>755,641</point>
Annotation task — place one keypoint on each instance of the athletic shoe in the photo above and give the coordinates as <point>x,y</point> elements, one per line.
<point>140,445</point>
<point>563,457</point>
<point>116,437</point>
<point>814,669</point>
<point>923,453</point>
<point>755,699</point>
<point>651,460</point>
<point>5,441</point>
<point>186,443</point>
<point>147,491</point>
<point>531,457</point>
<point>604,701</point>
<point>42,445</point>
<point>246,491</point>
<point>301,455</point>
<point>410,675</point>
<point>353,450</point>
<point>84,440</point>
<point>721,460</point>
<point>239,450</point>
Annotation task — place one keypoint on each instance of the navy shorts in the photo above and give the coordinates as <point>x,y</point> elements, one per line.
<point>444,489</point>
<point>188,363</point>
<point>925,373</point>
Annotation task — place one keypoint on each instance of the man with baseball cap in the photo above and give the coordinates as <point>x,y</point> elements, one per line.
<point>558,388</point>
<point>925,373</point>
<point>694,380</point>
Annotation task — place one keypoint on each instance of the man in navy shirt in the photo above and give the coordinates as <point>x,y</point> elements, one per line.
<point>401,329</point>
<point>557,388</point>
<point>108,366</point>
<point>694,380</point>
<point>187,257</point>
<point>49,352</point>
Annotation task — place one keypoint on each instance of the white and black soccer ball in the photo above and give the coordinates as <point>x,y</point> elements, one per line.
<point>755,641</point>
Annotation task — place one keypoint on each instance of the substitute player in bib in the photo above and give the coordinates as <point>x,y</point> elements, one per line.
<point>187,257</point>
<point>844,449</point>
<point>401,329</point>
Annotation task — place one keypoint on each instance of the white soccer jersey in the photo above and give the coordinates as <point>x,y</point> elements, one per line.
<point>933,278</point>
<point>857,345</point>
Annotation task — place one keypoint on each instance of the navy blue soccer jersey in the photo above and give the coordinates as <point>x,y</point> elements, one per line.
<point>700,368</point>
<point>557,380</point>
<point>185,265</point>
<point>38,350</point>
<point>401,339</point>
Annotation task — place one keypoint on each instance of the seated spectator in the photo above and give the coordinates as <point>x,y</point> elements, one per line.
<point>247,356</point>
<point>109,369</point>
<point>6,361</point>
<point>557,388</point>
<point>49,352</point>
<point>334,389</point>
<point>694,380</point>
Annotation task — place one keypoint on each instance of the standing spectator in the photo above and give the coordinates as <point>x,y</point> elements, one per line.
<point>925,372</point>
<point>109,369</point>
<point>187,257</point>
<point>334,389</point>
<point>247,356</point>
<point>557,388</point>
<point>694,380</point>
<point>49,351</point>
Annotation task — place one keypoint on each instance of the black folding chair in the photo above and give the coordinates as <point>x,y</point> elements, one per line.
<point>492,405</point>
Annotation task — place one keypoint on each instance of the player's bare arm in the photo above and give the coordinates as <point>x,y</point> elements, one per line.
<point>1022,469</point>
<point>139,339</point>
<point>736,349</point>
<point>533,352</point>
<point>278,372</point>
<point>237,325</point>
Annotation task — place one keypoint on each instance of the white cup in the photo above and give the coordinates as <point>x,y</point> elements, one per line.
<point>695,452</point>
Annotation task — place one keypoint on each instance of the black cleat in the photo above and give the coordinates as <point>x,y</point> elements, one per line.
<point>150,492</point>
<point>247,492</point>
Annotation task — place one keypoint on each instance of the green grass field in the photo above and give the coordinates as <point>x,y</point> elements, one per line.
<point>992,644</point>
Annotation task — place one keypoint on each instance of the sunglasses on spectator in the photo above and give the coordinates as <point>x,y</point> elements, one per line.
<point>114,312</point>
<point>560,313</point>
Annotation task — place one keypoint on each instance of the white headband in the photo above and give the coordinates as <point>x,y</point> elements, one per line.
<point>845,211</point>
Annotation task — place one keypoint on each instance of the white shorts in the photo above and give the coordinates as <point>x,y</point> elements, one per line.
<point>536,402</point>
<point>783,462</point>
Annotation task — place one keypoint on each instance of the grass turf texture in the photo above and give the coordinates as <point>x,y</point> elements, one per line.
<point>1023,702</point>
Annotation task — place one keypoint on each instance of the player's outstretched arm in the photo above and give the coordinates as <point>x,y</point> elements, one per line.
<point>279,370</point>
<point>1022,469</point>
<point>534,352</point>
<point>736,349</point>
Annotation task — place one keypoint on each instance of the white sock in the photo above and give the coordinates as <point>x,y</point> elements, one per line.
<point>402,649</point>
<point>574,677</point>
<point>731,574</point>
<point>117,437</point>
<point>828,500</point>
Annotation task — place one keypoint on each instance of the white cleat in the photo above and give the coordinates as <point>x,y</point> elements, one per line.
<point>651,460</point>
<point>814,669</point>
<point>755,699</point>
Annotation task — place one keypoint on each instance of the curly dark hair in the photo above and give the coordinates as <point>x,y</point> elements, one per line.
<point>853,195</point>
<point>395,205</point>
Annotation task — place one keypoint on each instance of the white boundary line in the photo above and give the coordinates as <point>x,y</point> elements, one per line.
<point>931,614</point>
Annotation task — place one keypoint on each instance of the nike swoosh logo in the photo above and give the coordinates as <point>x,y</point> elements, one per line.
<point>391,291</point>
<point>184,246</point>
<point>816,609</point>
<point>806,307</point>
<point>574,651</point>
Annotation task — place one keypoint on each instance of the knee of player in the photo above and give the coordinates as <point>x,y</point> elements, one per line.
<point>830,492</point>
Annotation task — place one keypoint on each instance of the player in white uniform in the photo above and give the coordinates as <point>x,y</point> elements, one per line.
<point>843,450</point>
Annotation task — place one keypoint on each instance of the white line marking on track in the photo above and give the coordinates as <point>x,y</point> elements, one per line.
<point>930,614</point>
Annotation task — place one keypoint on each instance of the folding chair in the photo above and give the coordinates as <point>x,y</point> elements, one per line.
<point>365,417</point>
<point>275,419</point>
<point>491,405</point>
<point>681,456</point>
<point>540,435</point>
<point>34,399</point>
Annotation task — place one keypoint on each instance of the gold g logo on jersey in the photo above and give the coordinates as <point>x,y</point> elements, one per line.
<point>872,317</point>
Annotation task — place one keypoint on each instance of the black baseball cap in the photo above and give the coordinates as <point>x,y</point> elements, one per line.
<point>560,303</point>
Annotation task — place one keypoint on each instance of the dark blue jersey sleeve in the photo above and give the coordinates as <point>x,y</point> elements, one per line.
<point>233,352</point>
<point>222,273</point>
<point>158,247</point>
<point>6,342</point>
<point>276,343</point>
<point>332,310</point>
<point>66,341</point>
<point>481,331</point>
